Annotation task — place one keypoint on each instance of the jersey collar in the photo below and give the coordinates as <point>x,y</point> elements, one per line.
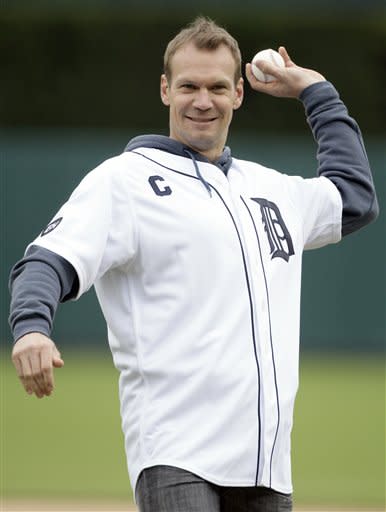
<point>164,143</point>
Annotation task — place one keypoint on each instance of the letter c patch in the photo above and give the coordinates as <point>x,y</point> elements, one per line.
<point>164,191</point>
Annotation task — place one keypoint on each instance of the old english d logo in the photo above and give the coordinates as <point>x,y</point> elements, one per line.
<point>279,238</point>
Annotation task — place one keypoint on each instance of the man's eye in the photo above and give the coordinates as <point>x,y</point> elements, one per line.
<point>187,86</point>
<point>219,88</point>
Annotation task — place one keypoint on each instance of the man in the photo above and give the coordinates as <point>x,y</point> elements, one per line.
<point>196,260</point>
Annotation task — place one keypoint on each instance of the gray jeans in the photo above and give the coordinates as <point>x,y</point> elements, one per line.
<point>170,489</point>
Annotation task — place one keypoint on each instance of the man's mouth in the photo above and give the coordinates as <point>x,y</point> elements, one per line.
<point>201,120</point>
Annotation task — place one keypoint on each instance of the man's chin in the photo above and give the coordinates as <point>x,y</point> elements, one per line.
<point>201,144</point>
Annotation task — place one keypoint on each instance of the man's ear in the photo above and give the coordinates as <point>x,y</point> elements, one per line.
<point>164,89</point>
<point>239,96</point>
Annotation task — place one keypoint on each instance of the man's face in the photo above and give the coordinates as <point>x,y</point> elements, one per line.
<point>202,95</point>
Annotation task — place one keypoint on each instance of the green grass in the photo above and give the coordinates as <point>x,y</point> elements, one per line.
<point>70,445</point>
<point>339,432</point>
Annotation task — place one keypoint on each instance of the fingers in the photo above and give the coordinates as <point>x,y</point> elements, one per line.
<point>289,81</point>
<point>287,60</point>
<point>23,372</point>
<point>47,373</point>
<point>250,76</point>
<point>268,68</point>
<point>35,374</point>
<point>24,368</point>
<point>57,360</point>
<point>34,357</point>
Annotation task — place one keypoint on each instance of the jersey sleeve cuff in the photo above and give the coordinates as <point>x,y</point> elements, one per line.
<point>317,96</point>
<point>30,325</point>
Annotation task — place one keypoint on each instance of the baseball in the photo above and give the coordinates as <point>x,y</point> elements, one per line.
<point>271,56</point>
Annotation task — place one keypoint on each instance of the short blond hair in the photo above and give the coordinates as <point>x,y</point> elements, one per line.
<point>205,34</point>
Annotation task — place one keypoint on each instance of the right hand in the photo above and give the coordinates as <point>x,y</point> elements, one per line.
<point>35,356</point>
<point>289,81</point>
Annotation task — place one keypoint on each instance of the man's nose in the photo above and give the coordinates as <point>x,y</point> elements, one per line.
<point>202,99</point>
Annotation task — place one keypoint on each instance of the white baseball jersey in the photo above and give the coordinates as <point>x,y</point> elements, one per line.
<point>201,294</point>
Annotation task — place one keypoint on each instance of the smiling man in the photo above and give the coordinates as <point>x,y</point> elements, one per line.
<point>196,260</point>
<point>202,90</point>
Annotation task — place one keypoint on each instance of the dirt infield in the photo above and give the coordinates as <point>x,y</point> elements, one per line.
<point>87,506</point>
<point>64,506</point>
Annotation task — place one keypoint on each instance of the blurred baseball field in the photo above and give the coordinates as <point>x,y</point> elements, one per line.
<point>70,446</point>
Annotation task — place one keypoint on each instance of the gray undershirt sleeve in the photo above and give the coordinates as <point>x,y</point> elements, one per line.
<point>38,283</point>
<point>341,154</point>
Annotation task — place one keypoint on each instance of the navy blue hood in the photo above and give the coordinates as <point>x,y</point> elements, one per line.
<point>165,143</point>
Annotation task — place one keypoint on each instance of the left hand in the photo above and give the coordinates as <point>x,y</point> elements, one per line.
<point>35,356</point>
<point>289,81</point>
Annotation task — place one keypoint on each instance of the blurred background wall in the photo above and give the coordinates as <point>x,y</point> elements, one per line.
<point>80,78</point>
